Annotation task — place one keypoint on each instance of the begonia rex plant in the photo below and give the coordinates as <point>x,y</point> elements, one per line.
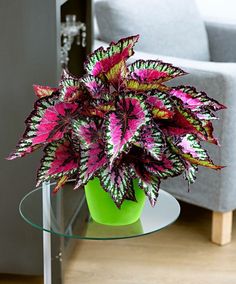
<point>119,122</point>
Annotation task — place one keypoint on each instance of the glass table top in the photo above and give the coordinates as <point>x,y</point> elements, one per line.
<point>66,214</point>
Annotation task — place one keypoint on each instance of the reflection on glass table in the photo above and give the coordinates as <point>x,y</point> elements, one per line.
<point>71,221</point>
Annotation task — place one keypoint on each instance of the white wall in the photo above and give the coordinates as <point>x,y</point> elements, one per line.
<point>220,10</point>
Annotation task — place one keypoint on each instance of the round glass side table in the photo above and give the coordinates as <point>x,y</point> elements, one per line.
<point>66,214</point>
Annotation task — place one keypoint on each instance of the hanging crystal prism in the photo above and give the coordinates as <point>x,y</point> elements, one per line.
<point>70,30</point>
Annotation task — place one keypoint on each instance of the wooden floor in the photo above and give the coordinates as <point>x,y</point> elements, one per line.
<point>180,254</point>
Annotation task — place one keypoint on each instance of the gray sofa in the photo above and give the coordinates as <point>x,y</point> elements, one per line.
<point>174,32</point>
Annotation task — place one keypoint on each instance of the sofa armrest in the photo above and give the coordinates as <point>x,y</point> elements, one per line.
<point>222,41</point>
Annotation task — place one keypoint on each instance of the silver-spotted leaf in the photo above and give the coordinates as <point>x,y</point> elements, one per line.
<point>195,100</point>
<point>117,182</point>
<point>102,60</point>
<point>169,166</point>
<point>59,160</point>
<point>161,105</point>
<point>151,140</point>
<point>190,149</point>
<point>148,182</point>
<point>48,122</point>
<point>96,87</point>
<point>149,71</point>
<point>122,127</point>
<point>92,149</point>
<point>43,91</point>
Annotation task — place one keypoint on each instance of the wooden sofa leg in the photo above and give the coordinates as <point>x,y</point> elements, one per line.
<point>221,227</point>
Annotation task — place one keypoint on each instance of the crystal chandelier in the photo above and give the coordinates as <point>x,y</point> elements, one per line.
<point>71,30</point>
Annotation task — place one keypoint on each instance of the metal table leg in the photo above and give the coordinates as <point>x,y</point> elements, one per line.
<point>47,268</point>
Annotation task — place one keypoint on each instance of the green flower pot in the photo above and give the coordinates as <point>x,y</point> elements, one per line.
<point>103,209</point>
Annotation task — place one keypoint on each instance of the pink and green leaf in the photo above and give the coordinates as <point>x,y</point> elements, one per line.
<point>43,91</point>
<point>48,122</point>
<point>190,173</point>
<point>207,125</point>
<point>68,79</point>
<point>122,127</point>
<point>93,158</point>
<point>59,160</point>
<point>70,87</point>
<point>117,74</point>
<point>135,85</point>
<point>162,106</point>
<point>86,131</point>
<point>117,182</point>
<point>205,114</point>
<point>151,140</point>
<point>102,60</point>
<point>99,110</point>
<point>187,122</point>
<point>148,182</point>
<point>151,188</point>
<point>189,148</point>
<point>194,100</point>
<point>130,194</point>
<point>169,166</point>
<point>153,71</point>
<point>96,87</point>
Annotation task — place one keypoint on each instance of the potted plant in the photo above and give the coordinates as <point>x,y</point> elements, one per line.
<point>119,130</point>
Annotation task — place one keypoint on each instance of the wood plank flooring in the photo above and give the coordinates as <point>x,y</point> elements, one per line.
<point>179,254</point>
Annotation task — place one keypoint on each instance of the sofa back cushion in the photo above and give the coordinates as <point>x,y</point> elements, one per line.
<point>167,27</point>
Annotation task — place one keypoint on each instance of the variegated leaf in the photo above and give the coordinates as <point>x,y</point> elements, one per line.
<point>151,189</point>
<point>86,131</point>
<point>207,125</point>
<point>148,182</point>
<point>96,87</point>
<point>117,182</point>
<point>49,121</point>
<point>100,111</point>
<point>193,99</point>
<point>102,60</point>
<point>59,160</point>
<point>68,79</point>
<point>169,166</point>
<point>162,106</point>
<point>205,114</point>
<point>151,140</point>
<point>116,75</point>
<point>93,158</point>
<point>190,172</point>
<point>43,91</point>
<point>122,127</point>
<point>187,122</point>
<point>92,147</point>
<point>151,71</point>
<point>135,85</point>
<point>130,194</point>
<point>70,87</point>
<point>189,148</point>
